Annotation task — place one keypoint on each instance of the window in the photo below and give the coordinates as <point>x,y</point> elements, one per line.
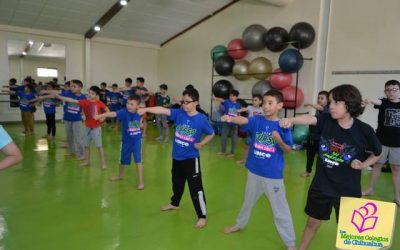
<point>46,72</point>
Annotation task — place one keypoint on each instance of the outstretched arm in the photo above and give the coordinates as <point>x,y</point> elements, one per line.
<point>66,99</point>
<point>373,101</point>
<point>105,115</point>
<point>240,120</point>
<point>155,110</point>
<point>218,99</point>
<point>12,156</point>
<point>301,119</point>
<point>316,106</point>
<point>243,110</point>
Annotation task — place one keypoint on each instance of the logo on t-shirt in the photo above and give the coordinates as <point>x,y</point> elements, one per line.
<point>133,128</point>
<point>73,108</point>
<point>184,135</point>
<point>392,118</point>
<point>232,111</point>
<point>333,154</point>
<point>264,145</point>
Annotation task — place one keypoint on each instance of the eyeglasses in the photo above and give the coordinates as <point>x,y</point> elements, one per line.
<point>186,102</point>
<point>391,90</point>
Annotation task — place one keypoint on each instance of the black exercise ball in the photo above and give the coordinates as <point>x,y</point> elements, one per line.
<point>223,65</point>
<point>276,39</point>
<point>302,35</point>
<point>222,88</point>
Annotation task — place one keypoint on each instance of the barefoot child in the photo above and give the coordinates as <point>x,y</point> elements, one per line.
<point>265,166</point>
<point>346,146</point>
<point>190,125</point>
<point>131,137</point>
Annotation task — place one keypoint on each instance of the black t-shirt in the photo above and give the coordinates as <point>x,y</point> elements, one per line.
<point>338,147</point>
<point>103,96</point>
<point>388,130</point>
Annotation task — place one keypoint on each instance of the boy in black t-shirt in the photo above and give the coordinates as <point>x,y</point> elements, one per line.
<point>347,145</point>
<point>388,132</point>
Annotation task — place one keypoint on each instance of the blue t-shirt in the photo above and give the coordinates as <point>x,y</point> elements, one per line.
<point>125,95</point>
<point>5,139</point>
<point>265,157</point>
<point>115,98</point>
<point>49,105</point>
<point>130,125</point>
<point>72,111</point>
<point>188,131</point>
<point>231,109</point>
<point>23,101</point>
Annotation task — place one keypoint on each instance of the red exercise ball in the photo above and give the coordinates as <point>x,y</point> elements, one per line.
<point>236,49</point>
<point>289,97</point>
<point>280,80</point>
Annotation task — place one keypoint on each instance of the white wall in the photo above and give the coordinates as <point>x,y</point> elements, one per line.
<point>363,35</point>
<point>187,58</point>
<point>107,60</point>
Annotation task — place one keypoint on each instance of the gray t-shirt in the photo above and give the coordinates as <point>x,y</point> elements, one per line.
<point>254,111</point>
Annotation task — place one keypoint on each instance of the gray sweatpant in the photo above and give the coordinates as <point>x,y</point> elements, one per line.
<point>274,189</point>
<point>225,131</point>
<point>74,138</point>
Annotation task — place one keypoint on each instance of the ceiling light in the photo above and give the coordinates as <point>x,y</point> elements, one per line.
<point>123,2</point>
<point>24,53</point>
<point>30,42</point>
<point>97,28</point>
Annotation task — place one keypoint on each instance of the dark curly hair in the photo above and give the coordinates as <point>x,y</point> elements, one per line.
<point>351,96</point>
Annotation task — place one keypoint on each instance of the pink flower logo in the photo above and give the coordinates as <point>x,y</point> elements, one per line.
<point>363,218</point>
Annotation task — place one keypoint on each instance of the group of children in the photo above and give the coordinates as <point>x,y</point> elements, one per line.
<point>346,145</point>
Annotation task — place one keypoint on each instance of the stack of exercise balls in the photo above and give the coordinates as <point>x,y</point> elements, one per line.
<point>230,60</point>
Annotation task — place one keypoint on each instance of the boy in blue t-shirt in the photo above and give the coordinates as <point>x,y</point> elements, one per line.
<point>189,127</point>
<point>114,103</point>
<point>265,166</point>
<point>26,100</point>
<point>131,137</point>
<point>231,107</point>
<point>126,91</point>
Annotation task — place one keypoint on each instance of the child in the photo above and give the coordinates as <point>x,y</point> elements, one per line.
<point>114,102</point>
<point>388,132</point>
<point>144,96</point>
<point>313,136</point>
<point>26,98</point>
<point>265,166</point>
<point>231,107</point>
<point>126,91</point>
<point>91,107</point>
<point>347,145</point>
<point>190,125</point>
<point>131,137</point>
<point>12,154</point>
<point>162,100</point>
<point>252,110</point>
<point>103,92</point>
<point>49,107</point>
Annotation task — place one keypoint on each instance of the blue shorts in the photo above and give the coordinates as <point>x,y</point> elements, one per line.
<point>127,149</point>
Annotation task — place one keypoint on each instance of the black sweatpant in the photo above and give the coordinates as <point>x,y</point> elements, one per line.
<point>311,151</point>
<point>189,170</point>
<point>51,124</point>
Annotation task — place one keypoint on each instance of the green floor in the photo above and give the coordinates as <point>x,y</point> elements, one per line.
<point>49,202</point>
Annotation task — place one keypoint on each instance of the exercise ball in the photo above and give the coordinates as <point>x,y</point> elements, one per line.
<point>241,70</point>
<point>302,35</point>
<point>260,68</point>
<point>222,88</point>
<point>217,51</point>
<point>260,87</point>
<point>280,80</point>
<point>236,49</point>
<point>290,60</point>
<point>223,65</point>
<point>289,96</point>
<point>276,39</point>
<point>299,133</point>
<point>253,37</point>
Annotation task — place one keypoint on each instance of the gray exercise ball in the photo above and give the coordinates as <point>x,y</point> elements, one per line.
<point>253,37</point>
<point>261,87</point>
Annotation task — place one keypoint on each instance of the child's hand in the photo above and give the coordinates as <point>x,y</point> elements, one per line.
<point>98,117</point>
<point>367,101</point>
<point>226,118</point>
<point>357,164</point>
<point>285,122</point>
<point>276,136</point>
<point>198,146</point>
<point>141,111</point>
